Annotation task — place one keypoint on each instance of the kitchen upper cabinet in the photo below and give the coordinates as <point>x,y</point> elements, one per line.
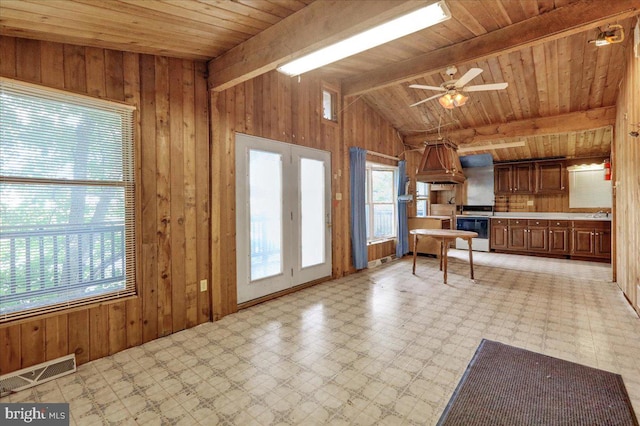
<point>551,177</point>
<point>514,179</point>
<point>523,178</point>
<point>502,180</point>
<point>531,177</point>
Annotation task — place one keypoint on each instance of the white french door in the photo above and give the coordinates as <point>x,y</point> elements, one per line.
<point>283,215</point>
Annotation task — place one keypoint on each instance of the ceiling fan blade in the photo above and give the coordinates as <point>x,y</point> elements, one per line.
<point>482,87</point>
<point>468,76</point>
<point>425,100</point>
<point>422,86</point>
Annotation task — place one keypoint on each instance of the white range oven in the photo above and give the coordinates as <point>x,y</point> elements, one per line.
<point>475,219</point>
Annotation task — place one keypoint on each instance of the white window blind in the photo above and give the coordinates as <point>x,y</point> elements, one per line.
<point>589,189</point>
<point>66,200</point>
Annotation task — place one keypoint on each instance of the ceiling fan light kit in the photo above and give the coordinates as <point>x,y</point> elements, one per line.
<point>452,100</point>
<point>453,89</point>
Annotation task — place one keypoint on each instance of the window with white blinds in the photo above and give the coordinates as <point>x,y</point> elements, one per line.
<point>66,200</point>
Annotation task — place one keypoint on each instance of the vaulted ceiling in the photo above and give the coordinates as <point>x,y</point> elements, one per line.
<point>562,89</point>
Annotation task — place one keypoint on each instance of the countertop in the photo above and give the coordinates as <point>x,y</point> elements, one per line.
<point>553,216</point>
<point>432,217</point>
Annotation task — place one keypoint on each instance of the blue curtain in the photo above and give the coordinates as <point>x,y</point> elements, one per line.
<point>358,176</point>
<point>402,246</point>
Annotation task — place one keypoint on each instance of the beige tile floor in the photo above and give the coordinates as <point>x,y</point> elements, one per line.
<point>377,347</point>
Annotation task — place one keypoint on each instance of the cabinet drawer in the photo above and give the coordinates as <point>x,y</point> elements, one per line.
<point>499,221</point>
<point>538,222</point>
<point>522,222</point>
<point>559,223</point>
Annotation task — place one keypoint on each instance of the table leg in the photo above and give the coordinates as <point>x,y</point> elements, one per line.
<point>445,251</point>
<point>415,251</point>
<point>441,247</point>
<point>470,257</point>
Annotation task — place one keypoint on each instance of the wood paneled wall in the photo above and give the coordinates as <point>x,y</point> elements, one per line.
<point>626,177</point>
<point>173,223</point>
<point>289,110</point>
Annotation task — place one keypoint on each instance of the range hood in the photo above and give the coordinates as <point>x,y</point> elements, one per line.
<point>440,163</point>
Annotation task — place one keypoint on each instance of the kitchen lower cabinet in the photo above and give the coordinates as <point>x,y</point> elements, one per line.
<point>538,235</point>
<point>587,239</point>
<point>517,234</point>
<point>591,239</point>
<point>559,237</point>
<point>499,234</point>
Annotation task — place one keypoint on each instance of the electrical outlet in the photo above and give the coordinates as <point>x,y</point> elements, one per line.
<point>203,285</point>
<point>338,196</point>
<point>529,202</point>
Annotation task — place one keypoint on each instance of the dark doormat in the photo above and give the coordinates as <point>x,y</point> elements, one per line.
<point>505,385</point>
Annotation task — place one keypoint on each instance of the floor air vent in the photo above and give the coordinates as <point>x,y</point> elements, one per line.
<point>32,376</point>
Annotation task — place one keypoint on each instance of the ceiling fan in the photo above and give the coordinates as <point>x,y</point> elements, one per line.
<point>453,96</point>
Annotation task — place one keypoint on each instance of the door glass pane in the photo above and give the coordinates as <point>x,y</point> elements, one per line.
<point>312,212</point>
<point>265,207</point>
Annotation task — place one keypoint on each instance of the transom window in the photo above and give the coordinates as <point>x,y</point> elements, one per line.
<point>329,105</point>
<point>66,200</point>
<point>381,203</point>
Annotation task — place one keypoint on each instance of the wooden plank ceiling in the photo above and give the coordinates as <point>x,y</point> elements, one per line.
<point>562,89</point>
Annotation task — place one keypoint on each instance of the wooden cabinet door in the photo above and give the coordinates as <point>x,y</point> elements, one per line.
<point>550,177</point>
<point>559,240</point>
<point>502,179</point>
<point>602,243</point>
<point>538,238</point>
<point>522,175</point>
<point>582,241</point>
<point>499,238</point>
<point>517,237</point>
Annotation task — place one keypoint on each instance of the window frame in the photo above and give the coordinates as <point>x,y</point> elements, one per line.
<point>128,151</point>
<point>422,197</point>
<point>334,94</point>
<point>369,203</point>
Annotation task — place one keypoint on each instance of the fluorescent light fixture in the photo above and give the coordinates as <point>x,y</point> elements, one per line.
<point>396,28</point>
<point>489,147</point>
<point>585,167</point>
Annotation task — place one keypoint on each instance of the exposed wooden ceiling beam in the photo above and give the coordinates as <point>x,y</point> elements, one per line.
<point>562,22</point>
<point>564,123</point>
<point>317,25</point>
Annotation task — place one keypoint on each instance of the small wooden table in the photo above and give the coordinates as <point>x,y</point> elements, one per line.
<point>446,236</point>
